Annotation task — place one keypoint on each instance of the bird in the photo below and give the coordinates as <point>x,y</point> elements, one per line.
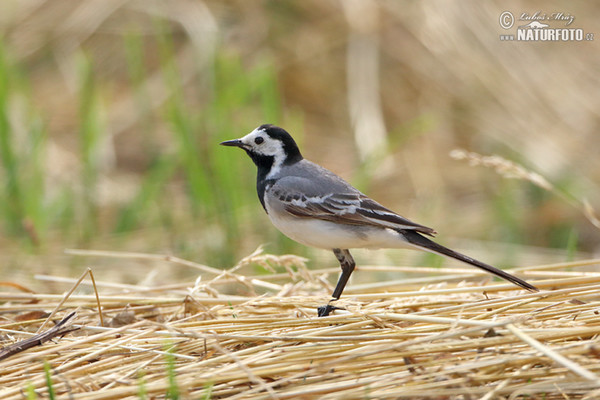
<point>317,208</point>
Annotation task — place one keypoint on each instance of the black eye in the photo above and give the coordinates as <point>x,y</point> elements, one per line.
<point>259,140</point>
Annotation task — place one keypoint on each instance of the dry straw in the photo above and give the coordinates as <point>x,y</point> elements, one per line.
<point>511,170</point>
<point>465,337</point>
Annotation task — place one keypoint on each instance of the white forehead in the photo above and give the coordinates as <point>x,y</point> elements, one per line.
<point>249,138</point>
<point>269,146</point>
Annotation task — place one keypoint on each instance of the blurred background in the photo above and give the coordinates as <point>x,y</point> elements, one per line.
<point>111,112</point>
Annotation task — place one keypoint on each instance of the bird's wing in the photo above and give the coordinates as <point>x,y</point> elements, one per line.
<point>304,198</point>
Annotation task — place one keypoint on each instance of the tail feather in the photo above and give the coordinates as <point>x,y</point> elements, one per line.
<point>418,240</point>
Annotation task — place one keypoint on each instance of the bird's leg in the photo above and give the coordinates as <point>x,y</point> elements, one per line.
<point>347,263</point>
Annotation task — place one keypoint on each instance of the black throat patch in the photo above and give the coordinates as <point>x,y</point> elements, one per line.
<point>263,165</point>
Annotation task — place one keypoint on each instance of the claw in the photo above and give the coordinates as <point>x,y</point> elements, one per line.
<point>324,311</point>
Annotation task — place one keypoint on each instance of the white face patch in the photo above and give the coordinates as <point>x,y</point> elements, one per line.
<point>259,142</point>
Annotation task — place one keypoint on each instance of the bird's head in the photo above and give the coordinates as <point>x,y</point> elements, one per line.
<point>268,146</point>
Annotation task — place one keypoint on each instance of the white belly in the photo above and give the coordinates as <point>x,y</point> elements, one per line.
<point>329,235</point>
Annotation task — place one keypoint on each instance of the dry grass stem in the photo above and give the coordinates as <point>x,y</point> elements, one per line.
<point>511,170</point>
<point>503,167</point>
<point>445,338</point>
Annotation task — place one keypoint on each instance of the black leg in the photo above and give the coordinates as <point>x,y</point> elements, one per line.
<point>347,263</point>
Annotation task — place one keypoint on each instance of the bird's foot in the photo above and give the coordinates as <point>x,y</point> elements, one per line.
<point>324,311</point>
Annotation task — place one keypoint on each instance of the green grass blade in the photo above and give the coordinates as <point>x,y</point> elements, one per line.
<point>142,391</point>
<point>155,180</point>
<point>89,136</point>
<point>49,385</point>
<point>208,392</point>
<point>12,199</point>
<point>173,390</point>
<point>30,392</point>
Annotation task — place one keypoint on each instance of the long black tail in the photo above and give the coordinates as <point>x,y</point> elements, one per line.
<point>418,240</point>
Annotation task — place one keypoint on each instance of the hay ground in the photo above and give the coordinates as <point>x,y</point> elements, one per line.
<point>466,337</point>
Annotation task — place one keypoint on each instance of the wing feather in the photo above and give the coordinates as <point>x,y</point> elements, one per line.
<point>351,208</point>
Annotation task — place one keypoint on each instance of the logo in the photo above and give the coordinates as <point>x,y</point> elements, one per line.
<point>542,27</point>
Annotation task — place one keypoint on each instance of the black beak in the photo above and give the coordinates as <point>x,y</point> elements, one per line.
<point>234,143</point>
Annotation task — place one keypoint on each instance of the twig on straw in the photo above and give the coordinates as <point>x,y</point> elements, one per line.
<point>60,329</point>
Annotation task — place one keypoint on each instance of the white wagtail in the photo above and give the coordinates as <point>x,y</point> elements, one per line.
<point>315,207</point>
